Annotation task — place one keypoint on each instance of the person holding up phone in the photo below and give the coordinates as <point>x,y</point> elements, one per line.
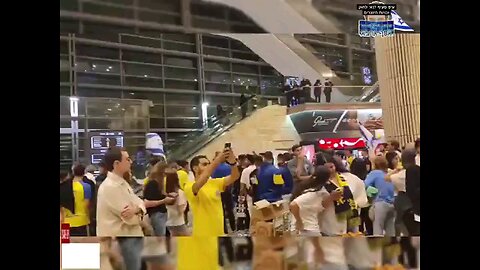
<point>204,197</point>
<point>203,194</point>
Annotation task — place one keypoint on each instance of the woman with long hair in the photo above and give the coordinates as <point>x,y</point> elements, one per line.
<point>155,199</point>
<point>176,211</point>
<point>384,212</point>
<point>311,199</point>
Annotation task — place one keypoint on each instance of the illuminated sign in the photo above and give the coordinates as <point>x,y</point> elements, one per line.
<point>342,143</point>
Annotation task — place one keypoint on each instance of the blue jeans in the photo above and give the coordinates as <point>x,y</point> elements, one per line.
<point>159,220</point>
<point>131,249</point>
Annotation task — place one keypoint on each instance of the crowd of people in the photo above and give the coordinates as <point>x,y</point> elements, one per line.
<point>300,92</point>
<point>335,194</point>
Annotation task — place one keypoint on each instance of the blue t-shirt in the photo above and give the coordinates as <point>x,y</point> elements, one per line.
<point>376,179</point>
<point>270,183</point>
<point>287,177</point>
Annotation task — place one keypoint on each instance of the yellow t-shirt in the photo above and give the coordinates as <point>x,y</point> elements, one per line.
<point>206,207</point>
<point>182,178</point>
<point>197,253</point>
<point>81,193</point>
<point>200,251</point>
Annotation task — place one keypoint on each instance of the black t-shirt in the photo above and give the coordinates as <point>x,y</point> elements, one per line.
<point>152,193</point>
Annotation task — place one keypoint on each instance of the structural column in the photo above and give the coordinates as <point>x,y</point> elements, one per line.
<point>398,69</point>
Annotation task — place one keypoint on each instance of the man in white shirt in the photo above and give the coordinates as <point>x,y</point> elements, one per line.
<point>245,184</point>
<point>119,210</point>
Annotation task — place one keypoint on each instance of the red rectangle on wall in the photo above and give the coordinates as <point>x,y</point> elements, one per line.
<point>65,233</point>
<point>342,143</point>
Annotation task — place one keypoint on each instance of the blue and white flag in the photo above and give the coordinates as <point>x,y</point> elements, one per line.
<point>398,22</point>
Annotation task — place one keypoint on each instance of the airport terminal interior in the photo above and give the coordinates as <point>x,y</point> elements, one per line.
<point>266,97</point>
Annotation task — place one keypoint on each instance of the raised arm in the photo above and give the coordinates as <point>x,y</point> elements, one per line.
<point>232,161</point>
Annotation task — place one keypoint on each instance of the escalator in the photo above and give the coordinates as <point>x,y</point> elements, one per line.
<point>285,16</point>
<point>214,127</point>
<point>370,94</point>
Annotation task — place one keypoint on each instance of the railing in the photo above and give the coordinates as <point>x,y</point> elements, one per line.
<point>338,94</point>
<point>214,126</point>
<point>371,94</point>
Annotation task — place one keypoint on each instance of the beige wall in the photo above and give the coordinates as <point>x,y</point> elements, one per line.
<point>268,129</point>
<point>398,68</point>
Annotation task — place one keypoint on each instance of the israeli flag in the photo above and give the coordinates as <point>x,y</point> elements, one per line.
<point>399,24</point>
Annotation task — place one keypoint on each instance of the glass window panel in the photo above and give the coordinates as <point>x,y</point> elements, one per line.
<point>131,124</point>
<point>147,16</point>
<point>157,123</point>
<point>69,26</point>
<point>215,41</point>
<point>174,46</point>
<point>176,84</point>
<point>110,11</point>
<point>184,123</point>
<point>243,28</point>
<point>142,70</point>
<point>246,56</point>
<point>245,89</point>
<point>141,57</point>
<point>181,73</point>
<point>142,41</point>
<point>144,81</point>
<point>156,111</point>
<point>94,51</point>
<point>190,38</point>
<point>214,51</point>
<point>64,63</point>
<point>64,76</point>
<point>185,99</point>
<point>65,106</point>
<point>264,70</point>
<point>109,110</point>
<point>64,47</point>
<point>218,77</point>
<point>65,91</point>
<point>222,66</point>
<point>166,5</point>
<point>94,92</point>
<point>120,2</point>
<point>92,78</point>
<point>182,111</point>
<point>180,61</point>
<point>227,101</point>
<point>65,123</point>
<point>207,23</point>
<point>97,66</point>
<point>245,68</point>
<point>155,97</point>
<point>70,5</point>
<point>106,124</point>
<point>216,87</point>
<point>245,80</point>
<point>105,32</point>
